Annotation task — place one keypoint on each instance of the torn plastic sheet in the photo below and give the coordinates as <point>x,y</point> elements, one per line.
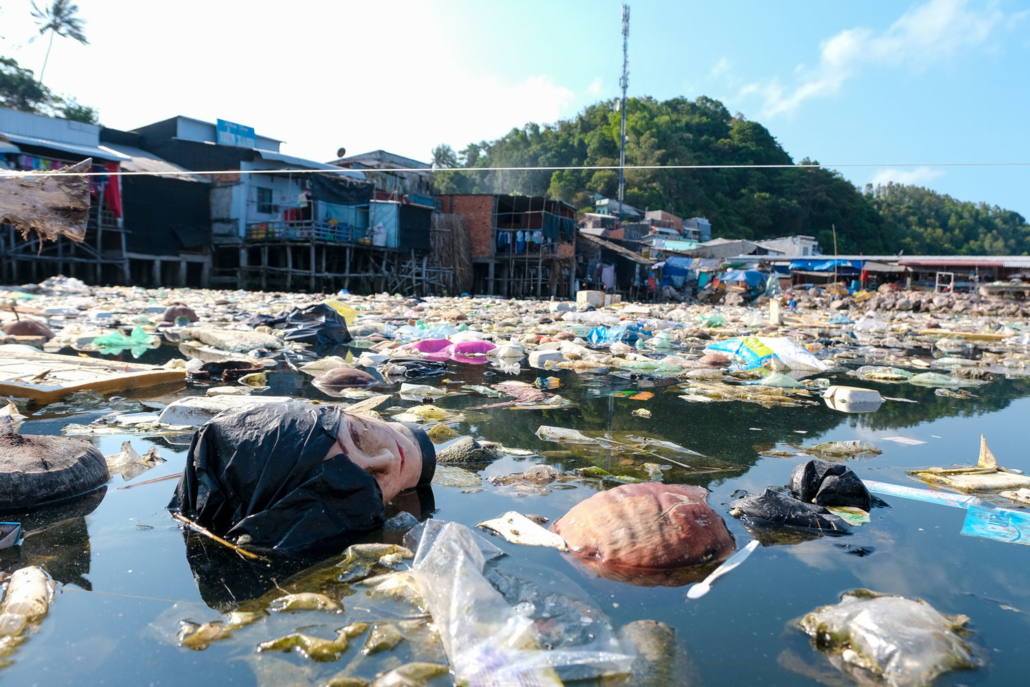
<point>487,641</point>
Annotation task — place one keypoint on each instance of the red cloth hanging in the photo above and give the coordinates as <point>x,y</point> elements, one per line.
<point>113,193</point>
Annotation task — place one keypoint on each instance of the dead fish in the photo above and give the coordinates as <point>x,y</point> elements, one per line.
<point>410,675</point>
<point>845,448</point>
<point>306,601</point>
<point>315,648</point>
<point>383,637</point>
<point>359,560</point>
<point>28,594</point>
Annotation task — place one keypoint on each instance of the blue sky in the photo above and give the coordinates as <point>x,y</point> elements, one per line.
<point>873,82</point>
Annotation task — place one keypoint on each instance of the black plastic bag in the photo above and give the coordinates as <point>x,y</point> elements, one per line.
<point>776,509</point>
<point>828,484</point>
<point>261,471</point>
<point>317,325</point>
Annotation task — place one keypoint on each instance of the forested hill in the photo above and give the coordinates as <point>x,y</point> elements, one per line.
<point>741,203</point>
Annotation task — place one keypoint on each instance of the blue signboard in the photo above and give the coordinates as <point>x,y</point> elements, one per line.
<point>233,134</point>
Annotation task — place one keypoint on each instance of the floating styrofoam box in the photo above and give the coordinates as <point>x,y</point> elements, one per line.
<point>594,298</point>
<point>852,399</point>
<point>540,358</point>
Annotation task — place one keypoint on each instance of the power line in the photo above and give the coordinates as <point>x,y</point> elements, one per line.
<point>544,168</point>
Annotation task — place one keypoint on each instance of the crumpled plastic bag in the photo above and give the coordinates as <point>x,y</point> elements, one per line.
<point>881,639</point>
<point>749,351</point>
<point>487,641</point>
<point>317,325</point>
<point>829,484</point>
<point>792,355</point>
<point>774,509</point>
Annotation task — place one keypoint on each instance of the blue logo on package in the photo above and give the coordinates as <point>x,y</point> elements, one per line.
<point>998,524</point>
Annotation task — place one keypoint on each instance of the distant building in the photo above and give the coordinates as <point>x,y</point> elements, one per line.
<point>697,229</point>
<point>167,217</point>
<point>522,246</point>
<point>793,246</point>
<point>416,184</point>
<point>726,248</point>
<point>666,220</point>
<point>610,206</point>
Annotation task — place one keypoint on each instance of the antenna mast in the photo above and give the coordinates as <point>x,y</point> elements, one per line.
<point>624,83</point>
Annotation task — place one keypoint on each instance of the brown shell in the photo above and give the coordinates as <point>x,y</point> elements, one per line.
<point>647,526</point>
<point>27,328</point>
<point>344,377</point>
<point>714,360</point>
<point>172,312</point>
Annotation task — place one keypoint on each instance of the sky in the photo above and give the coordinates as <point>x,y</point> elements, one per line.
<point>877,82</point>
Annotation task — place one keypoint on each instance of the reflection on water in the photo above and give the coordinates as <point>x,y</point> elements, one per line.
<point>131,575</point>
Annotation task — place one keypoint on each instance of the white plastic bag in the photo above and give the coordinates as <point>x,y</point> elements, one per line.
<point>488,644</point>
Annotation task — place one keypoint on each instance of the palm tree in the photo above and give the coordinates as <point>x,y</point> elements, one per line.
<point>59,18</point>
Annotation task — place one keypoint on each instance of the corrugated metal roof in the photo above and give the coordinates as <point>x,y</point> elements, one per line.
<point>624,252</point>
<point>88,151</point>
<point>142,161</point>
<point>301,162</point>
<point>965,261</point>
<point>1008,261</point>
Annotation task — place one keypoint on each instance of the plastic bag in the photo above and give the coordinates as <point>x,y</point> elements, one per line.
<point>748,350</point>
<point>712,320</point>
<point>792,355</point>
<point>904,642</point>
<point>606,336</point>
<point>487,641</point>
<point>317,325</point>
<point>829,484</point>
<point>138,342</point>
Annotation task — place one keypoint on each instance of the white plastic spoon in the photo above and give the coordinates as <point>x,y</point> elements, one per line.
<point>702,588</point>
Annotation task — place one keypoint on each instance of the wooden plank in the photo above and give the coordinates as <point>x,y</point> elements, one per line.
<point>972,336</point>
<point>60,375</point>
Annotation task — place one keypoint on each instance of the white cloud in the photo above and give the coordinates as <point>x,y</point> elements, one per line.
<point>912,177</point>
<point>923,36</point>
<point>595,86</point>
<point>721,67</point>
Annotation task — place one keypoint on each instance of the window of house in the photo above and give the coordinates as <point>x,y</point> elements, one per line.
<point>264,201</point>
<point>804,251</point>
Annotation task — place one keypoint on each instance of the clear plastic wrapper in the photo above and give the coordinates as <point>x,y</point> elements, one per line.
<point>488,641</point>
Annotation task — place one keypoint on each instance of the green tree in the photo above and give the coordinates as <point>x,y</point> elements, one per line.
<point>71,109</point>
<point>19,89</point>
<point>59,18</point>
<point>444,157</point>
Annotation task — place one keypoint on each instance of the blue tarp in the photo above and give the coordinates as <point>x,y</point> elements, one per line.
<point>753,278</point>
<point>823,265</point>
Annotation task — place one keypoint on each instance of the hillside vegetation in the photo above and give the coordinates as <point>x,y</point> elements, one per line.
<point>741,203</point>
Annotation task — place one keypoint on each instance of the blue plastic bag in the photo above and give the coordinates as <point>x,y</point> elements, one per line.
<point>748,351</point>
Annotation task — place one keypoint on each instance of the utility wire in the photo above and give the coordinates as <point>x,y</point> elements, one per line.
<point>545,168</point>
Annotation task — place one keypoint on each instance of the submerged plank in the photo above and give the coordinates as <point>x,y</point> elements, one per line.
<point>47,377</point>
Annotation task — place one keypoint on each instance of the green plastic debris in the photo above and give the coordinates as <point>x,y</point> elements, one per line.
<point>138,342</point>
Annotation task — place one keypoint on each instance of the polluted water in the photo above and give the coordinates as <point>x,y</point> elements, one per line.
<point>657,494</point>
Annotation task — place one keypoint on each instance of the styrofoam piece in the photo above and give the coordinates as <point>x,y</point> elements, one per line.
<point>852,399</point>
<point>540,358</point>
<point>197,410</point>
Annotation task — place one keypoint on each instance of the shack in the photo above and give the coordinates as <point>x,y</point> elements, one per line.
<point>37,143</point>
<point>522,246</point>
